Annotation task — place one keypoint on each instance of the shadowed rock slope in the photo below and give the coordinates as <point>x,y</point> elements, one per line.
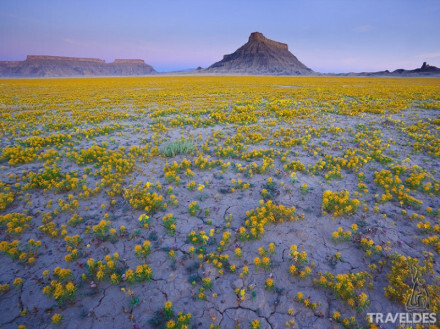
<point>261,56</point>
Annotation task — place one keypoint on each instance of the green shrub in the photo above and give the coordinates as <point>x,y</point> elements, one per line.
<point>181,146</point>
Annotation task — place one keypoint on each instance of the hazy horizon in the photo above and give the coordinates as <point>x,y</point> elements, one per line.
<point>327,36</point>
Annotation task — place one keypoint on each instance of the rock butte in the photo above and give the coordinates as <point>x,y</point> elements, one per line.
<point>261,56</point>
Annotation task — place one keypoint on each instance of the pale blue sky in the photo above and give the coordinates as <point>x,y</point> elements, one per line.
<point>327,36</point>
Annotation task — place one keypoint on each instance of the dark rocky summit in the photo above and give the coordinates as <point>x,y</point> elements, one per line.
<point>260,56</point>
<point>57,66</point>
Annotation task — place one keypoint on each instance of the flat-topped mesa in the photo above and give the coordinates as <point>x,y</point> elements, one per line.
<point>259,37</point>
<point>61,66</point>
<point>63,58</point>
<point>129,61</point>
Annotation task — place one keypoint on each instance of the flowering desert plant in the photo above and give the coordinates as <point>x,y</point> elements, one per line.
<point>339,203</point>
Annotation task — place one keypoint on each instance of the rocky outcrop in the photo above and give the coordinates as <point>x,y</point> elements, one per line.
<point>424,71</point>
<point>260,56</point>
<point>57,66</point>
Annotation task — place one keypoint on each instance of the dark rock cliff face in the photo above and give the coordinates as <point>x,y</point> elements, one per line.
<point>261,56</point>
<point>56,66</point>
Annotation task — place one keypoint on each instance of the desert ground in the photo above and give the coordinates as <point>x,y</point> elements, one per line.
<point>217,202</point>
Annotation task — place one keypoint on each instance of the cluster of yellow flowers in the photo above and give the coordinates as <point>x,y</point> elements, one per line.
<point>426,227</point>
<point>294,165</point>
<point>60,287</point>
<point>257,219</point>
<point>18,155</point>
<point>193,208</point>
<point>191,186</point>
<point>306,301</point>
<point>255,324</point>
<point>416,178</point>
<point>263,262</point>
<point>4,288</point>
<point>196,239</point>
<point>91,132</point>
<point>57,318</point>
<point>224,241</point>
<point>103,230</point>
<point>269,191</point>
<point>426,139</point>
<point>144,220</point>
<point>171,171</point>
<point>299,259</point>
<point>71,204</point>
<point>345,322</point>
<point>201,295</point>
<point>142,251</point>
<point>75,220</point>
<point>433,241</point>
<point>142,273</point>
<point>168,309</point>
<point>26,254</point>
<point>347,286</point>
<point>6,196</point>
<point>207,283</point>
<point>239,184</point>
<point>254,168</point>
<point>38,142</point>
<point>220,262</point>
<point>394,188</point>
<point>271,249</point>
<point>333,164</point>
<point>296,256</point>
<point>104,269</point>
<point>145,197</point>
<point>339,203</point>
<point>15,223</point>
<point>341,235</point>
<point>108,159</point>
<point>49,227</point>
<point>52,178</point>
<point>206,164</point>
<point>18,282</point>
<point>182,321</point>
<point>269,284</point>
<point>169,222</point>
<point>260,153</point>
<point>370,247</point>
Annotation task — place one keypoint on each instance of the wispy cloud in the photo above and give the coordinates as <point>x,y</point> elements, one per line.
<point>73,42</point>
<point>363,28</point>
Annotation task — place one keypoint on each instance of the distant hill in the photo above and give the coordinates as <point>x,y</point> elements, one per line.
<point>424,71</point>
<point>260,56</point>
<point>57,66</point>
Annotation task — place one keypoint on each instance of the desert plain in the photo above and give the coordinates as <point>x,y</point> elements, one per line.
<point>217,202</point>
